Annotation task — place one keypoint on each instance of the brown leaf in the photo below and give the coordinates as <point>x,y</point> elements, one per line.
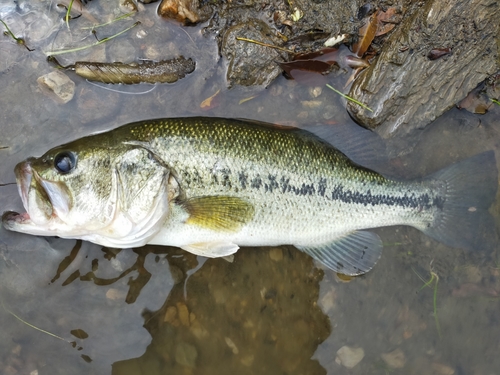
<point>367,32</point>
<point>325,54</point>
<point>314,66</point>
<point>389,16</point>
<point>384,28</point>
<point>209,102</point>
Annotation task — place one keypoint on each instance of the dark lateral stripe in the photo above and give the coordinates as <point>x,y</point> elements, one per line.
<point>422,201</point>
<point>339,193</point>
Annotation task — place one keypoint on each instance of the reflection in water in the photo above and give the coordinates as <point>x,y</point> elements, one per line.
<point>255,315</point>
<point>237,319</point>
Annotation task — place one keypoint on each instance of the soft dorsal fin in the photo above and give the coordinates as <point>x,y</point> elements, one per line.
<point>222,213</point>
<point>353,254</point>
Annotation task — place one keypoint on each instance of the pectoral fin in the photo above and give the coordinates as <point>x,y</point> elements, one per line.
<point>353,254</point>
<point>223,213</point>
<point>213,249</point>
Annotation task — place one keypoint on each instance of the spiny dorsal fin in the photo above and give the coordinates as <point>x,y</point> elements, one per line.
<point>352,254</point>
<point>222,213</point>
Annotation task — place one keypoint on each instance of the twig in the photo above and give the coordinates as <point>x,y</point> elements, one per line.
<point>495,101</point>
<point>264,44</point>
<point>60,52</point>
<point>349,98</point>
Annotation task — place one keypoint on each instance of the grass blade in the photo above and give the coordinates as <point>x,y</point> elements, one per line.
<point>60,52</point>
<point>349,98</point>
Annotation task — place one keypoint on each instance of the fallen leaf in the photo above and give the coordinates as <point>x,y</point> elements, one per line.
<point>389,16</point>
<point>209,102</point>
<point>314,66</point>
<point>367,32</point>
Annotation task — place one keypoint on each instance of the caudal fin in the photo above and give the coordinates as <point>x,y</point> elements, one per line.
<point>470,189</point>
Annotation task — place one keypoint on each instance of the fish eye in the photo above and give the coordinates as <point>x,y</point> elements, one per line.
<point>65,162</point>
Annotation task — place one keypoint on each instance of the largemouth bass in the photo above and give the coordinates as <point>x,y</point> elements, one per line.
<point>210,185</point>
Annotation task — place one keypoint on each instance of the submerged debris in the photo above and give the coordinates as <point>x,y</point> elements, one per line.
<point>165,71</point>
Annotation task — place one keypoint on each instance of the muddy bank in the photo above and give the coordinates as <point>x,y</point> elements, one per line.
<point>434,56</point>
<point>406,87</point>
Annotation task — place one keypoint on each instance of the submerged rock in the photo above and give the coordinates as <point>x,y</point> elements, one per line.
<point>349,357</point>
<point>405,87</point>
<point>58,86</point>
<point>249,63</point>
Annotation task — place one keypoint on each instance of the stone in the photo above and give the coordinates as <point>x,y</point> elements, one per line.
<point>440,369</point>
<point>183,314</point>
<point>276,254</point>
<point>394,359</point>
<point>349,357</point>
<point>186,354</point>
<point>57,86</point>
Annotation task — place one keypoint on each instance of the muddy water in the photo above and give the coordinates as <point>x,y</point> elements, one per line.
<point>158,310</point>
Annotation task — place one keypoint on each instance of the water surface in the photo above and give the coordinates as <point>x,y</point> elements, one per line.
<point>159,310</point>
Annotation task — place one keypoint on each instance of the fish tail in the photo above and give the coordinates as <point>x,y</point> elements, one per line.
<point>469,189</point>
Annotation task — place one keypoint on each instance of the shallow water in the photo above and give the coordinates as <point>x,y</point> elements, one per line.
<point>160,310</point>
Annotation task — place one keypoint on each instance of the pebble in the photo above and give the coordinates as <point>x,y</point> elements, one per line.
<point>473,274</point>
<point>440,369</point>
<point>247,360</point>
<point>349,357</point>
<point>231,345</point>
<point>314,92</point>
<point>312,103</point>
<point>57,86</point>
<point>115,294</point>
<point>183,313</point>
<point>394,359</point>
<point>276,254</point>
<point>198,330</point>
<point>186,354</point>
<point>170,314</point>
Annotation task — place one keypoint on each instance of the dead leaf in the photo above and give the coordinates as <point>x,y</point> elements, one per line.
<point>390,16</point>
<point>209,102</point>
<point>324,54</point>
<point>367,32</point>
<point>314,66</point>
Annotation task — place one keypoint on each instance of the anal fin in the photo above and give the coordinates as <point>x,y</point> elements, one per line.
<point>352,254</point>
